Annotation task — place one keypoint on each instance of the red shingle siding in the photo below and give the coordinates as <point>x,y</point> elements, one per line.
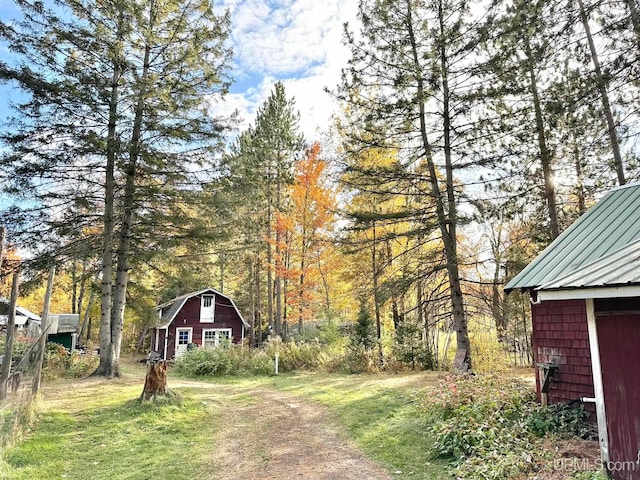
<point>560,336</point>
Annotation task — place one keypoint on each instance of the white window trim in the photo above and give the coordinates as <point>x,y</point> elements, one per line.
<point>190,329</point>
<point>217,341</point>
<point>213,305</point>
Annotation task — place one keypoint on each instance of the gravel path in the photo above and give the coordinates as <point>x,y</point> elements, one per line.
<point>272,435</point>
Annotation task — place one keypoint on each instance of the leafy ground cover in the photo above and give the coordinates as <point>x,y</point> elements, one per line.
<point>296,425</point>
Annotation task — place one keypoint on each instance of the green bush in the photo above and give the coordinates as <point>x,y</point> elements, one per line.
<point>559,419</point>
<point>232,360</point>
<point>58,363</point>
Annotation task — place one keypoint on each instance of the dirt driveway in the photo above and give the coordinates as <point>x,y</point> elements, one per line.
<point>271,435</point>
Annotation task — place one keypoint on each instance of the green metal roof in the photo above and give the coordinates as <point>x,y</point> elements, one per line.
<point>609,226</point>
<point>617,269</point>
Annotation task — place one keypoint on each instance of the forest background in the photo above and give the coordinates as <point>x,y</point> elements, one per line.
<point>470,134</point>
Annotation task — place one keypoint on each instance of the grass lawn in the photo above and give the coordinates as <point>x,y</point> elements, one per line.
<point>91,429</point>
<point>104,433</point>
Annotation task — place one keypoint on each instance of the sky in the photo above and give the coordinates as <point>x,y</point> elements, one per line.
<point>296,41</point>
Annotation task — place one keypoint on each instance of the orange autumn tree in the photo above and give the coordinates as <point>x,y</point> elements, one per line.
<point>307,226</point>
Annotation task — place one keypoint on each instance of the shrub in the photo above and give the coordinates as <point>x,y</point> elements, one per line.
<point>232,360</point>
<point>489,355</point>
<point>559,419</point>
<point>59,363</point>
<point>490,427</point>
<point>298,356</point>
<point>359,359</point>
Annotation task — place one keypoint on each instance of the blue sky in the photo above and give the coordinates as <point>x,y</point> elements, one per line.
<point>296,41</point>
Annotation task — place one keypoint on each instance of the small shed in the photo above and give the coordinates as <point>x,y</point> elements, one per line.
<point>585,295</point>
<point>23,316</point>
<point>206,318</point>
<point>63,329</point>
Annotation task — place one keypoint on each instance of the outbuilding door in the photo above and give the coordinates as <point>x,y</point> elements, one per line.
<point>619,342</point>
<point>183,338</point>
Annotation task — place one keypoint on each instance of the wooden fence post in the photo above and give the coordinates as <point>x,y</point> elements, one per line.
<point>3,234</point>
<point>44,325</point>
<point>8,347</point>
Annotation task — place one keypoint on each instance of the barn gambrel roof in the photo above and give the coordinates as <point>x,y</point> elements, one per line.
<point>175,305</point>
<point>601,249</point>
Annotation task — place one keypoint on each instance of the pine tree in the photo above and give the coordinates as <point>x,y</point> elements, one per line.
<point>116,115</point>
<point>402,92</point>
<point>261,167</point>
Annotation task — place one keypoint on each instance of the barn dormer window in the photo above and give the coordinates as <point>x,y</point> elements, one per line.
<point>207,308</point>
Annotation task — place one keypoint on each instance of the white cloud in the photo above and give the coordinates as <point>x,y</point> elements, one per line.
<point>296,41</point>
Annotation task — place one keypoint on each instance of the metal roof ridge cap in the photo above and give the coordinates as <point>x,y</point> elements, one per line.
<point>626,185</point>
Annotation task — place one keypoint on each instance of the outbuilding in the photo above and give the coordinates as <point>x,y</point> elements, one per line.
<point>585,295</point>
<point>24,318</point>
<point>206,318</point>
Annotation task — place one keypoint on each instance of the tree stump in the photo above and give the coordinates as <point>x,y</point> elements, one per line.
<point>155,382</point>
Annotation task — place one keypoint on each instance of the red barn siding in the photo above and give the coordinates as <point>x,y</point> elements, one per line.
<point>560,336</point>
<point>618,338</point>
<point>225,316</point>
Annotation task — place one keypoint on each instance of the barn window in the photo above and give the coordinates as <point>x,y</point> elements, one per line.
<point>207,308</point>
<point>183,337</point>
<point>215,337</point>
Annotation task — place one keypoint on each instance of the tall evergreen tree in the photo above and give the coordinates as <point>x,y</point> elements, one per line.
<point>262,165</point>
<point>116,107</point>
<point>404,89</point>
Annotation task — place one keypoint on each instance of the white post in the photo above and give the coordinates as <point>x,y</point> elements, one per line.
<point>598,388</point>
<point>277,364</point>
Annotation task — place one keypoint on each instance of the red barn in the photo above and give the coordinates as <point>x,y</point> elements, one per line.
<point>206,318</point>
<point>585,295</point>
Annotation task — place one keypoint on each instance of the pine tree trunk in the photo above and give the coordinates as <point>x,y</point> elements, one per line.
<point>278,252</point>
<point>545,155</point>
<point>269,252</point>
<point>106,352</point>
<point>496,297</point>
<point>128,208</point>
<point>258,295</point>
<point>446,223</point>
<point>376,296</point>
<point>582,204</point>
<point>604,95</point>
